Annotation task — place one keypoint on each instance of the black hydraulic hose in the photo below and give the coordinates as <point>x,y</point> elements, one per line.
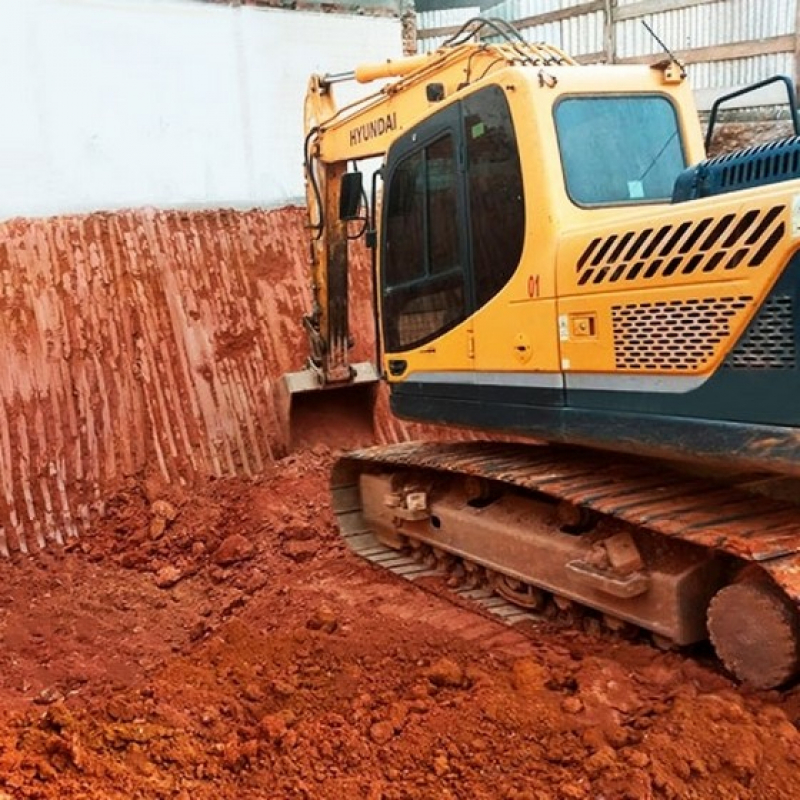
<point>464,33</point>
<point>317,227</point>
<point>502,28</point>
<point>509,28</point>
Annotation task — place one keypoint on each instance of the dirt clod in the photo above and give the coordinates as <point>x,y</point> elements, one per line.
<point>445,672</point>
<point>167,577</point>
<point>381,732</point>
<point>275,726</point>
<point>572,705</point>
<point>234,548</point>
<point>323,619</point>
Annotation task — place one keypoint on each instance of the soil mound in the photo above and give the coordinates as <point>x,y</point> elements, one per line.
<point>221,643</point>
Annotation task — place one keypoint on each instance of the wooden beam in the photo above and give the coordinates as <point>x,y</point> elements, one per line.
<point>636,10</point>
<point>724,52</point>
<point>592,58</point>
<point>561,13</point>
<point>610,30</point>
<point>526,22</point>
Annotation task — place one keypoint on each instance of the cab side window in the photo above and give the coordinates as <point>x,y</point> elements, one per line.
<point>424,290</point>
<point>494,187</point>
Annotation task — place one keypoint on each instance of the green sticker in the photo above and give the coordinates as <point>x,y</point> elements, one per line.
<point>478,130</point>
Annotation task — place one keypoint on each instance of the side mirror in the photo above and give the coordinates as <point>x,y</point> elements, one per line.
<point>350,196</point>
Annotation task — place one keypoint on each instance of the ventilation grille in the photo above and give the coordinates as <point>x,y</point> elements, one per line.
<point>673,335</point>
<point>771,162</point>
<point>769,343</point>
<point>712,244</point>
<point>742,169</point>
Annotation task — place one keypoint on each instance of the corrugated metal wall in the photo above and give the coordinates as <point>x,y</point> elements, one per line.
<point>687,28</point>
<point>706,25</point>
<point>578,35</point>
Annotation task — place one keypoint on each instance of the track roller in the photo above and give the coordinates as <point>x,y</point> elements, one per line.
<point>756,633</point>
<point>517,592</point>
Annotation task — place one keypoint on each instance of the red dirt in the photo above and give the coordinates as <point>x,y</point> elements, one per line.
<point>272,663</point>
<point>150,339</point>
<point>730,136</point>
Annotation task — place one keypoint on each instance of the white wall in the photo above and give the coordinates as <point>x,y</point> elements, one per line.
<point>168,103</point>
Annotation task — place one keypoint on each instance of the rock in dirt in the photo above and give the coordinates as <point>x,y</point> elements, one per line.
<point>300,533</point>
<point>604,759</point>
<point>572,705</point>
<point>234,548</point>
<point>323,620</point>
<point>274,726</point>
<point>381,732</point>
<point>441,766</point>
<point>300,550</point>
<point>165,510</point>
<point>283,688</point>
<point>164,513</point>
<point>48,696</point>
<point>445,672</point>
<point>168,576</point>
<point>529,675</point>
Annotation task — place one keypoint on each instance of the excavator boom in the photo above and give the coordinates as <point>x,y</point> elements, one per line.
<point>337,136</point>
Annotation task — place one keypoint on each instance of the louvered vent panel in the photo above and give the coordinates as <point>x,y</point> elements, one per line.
<point>673,335</point>
<point>701,247</point>
<point>770,341</point>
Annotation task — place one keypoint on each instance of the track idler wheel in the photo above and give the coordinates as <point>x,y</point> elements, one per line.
<point>756,633</point>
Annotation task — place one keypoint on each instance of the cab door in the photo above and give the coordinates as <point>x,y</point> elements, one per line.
<point>515,325</point>
<point>426,289</point>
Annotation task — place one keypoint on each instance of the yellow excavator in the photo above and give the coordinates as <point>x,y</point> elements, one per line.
<point>556,261</point>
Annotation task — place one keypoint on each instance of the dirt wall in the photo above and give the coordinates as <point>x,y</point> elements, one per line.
<point>147,343</point>
<point>734,135</point>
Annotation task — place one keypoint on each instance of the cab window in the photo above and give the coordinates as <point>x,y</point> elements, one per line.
<point>619,149</point>
<point>494,191</point>
<point>424,291</point>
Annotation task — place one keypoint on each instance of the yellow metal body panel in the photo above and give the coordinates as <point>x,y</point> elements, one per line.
<point>700,308</point>
<point>369,126</point>
<point>632,288</point>
<point>518,330</point>
<point>454,352</point>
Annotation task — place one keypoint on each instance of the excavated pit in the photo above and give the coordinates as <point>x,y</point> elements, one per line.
<point>204,633</point>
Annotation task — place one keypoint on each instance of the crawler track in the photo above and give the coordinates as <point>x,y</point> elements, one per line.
<point>725,521</point>
<point>368,546</point>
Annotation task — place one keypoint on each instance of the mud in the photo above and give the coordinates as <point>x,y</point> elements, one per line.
<point>219,642</point>
<point>194,628</point>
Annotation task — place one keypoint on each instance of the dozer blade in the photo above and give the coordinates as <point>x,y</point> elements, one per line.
<point>336,414</point>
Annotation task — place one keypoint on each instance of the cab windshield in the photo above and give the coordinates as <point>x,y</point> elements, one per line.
<point>619,149</point>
